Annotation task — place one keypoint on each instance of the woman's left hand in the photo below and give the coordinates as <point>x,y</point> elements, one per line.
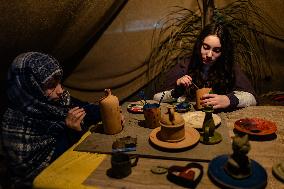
<point>217,101</point>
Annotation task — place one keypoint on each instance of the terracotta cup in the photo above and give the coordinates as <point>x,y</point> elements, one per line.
<point>199,93</point>
<point>121,164</point>
<point>152,115</point>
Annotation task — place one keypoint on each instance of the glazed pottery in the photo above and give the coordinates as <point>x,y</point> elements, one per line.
<point>278,171</point>
<point>110,113</point>
<point>209,135</point>
<point>187,176</point>
<point>255,126</point>
<point>217,173</point>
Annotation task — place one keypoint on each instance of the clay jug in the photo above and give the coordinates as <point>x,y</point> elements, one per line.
<point>110,113</point>
<point>172,126</point>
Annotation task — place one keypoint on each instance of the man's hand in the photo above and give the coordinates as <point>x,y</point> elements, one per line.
<point>74,118</point>
<point>217,101</point>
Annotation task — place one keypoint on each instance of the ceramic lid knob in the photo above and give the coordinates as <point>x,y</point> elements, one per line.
<point>171,117</point>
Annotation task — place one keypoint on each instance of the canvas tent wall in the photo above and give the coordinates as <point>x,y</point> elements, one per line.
<point>102,43</point>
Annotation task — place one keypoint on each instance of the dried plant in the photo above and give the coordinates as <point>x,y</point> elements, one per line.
<point>249,26</point>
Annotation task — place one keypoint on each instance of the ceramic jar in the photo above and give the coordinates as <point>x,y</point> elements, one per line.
<point>152,115</point>
<point>110,113</point>
<point>172,126</point>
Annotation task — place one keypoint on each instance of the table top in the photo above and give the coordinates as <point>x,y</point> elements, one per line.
<point>88,170</point>
<point>134,126</point>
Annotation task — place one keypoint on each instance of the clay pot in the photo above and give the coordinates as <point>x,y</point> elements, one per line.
<point>199,94</point>
<point>110,113</point>
<point>152,115</point>
<point>172,126</point>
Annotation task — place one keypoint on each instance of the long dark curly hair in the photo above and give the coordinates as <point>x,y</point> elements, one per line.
<point>221,76</point>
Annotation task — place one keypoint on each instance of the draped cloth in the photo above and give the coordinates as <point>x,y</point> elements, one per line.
<point>32,123</point>
<point>103,43</point>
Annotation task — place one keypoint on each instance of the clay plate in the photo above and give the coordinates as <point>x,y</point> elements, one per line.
<point>216,172</point>
<point>191,138</point>
<point>135,108</point>
<point>255,126</point>
<point>278,171</point>
<point>195,119</point>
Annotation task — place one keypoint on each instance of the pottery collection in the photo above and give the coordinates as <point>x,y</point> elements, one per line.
<point>169,132</point>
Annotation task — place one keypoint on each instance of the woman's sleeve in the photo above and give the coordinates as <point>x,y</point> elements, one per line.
<point>243,94</point>
<point>167,96</point>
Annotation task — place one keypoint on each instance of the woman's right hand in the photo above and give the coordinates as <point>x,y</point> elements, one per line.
<point>74,118</point>
<point>184,81</point>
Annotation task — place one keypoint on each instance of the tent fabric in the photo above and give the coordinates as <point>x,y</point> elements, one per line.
<point>102,43</point>
<point>120,53</point>
<point>60,28</point>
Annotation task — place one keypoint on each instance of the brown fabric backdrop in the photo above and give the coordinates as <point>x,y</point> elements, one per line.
<point>96,55</point>
<point>66,29</point>
<point>116,61</point>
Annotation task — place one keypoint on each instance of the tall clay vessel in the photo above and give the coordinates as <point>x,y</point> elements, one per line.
<point>110,113</point>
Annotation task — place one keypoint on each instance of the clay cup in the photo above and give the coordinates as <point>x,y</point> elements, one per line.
<point>199,93</point>
<point>152,115</point>
<point>121,165</point>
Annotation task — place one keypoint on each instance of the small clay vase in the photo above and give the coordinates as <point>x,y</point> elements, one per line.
<point>110,113</point>
<point>172,126</point>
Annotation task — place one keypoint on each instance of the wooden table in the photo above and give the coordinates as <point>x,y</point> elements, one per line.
<point>134,126</point>
<point>88,170</point>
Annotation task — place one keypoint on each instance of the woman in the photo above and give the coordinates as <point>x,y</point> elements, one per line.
<point>212,65</point>
<point>42,120</point>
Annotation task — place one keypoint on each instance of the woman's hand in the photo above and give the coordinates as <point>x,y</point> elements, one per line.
<point>74,118</point>
<point>217,101</point>
<point>184,81</point>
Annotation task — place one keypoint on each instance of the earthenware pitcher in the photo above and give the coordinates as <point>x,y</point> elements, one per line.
<point>110,113</point>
